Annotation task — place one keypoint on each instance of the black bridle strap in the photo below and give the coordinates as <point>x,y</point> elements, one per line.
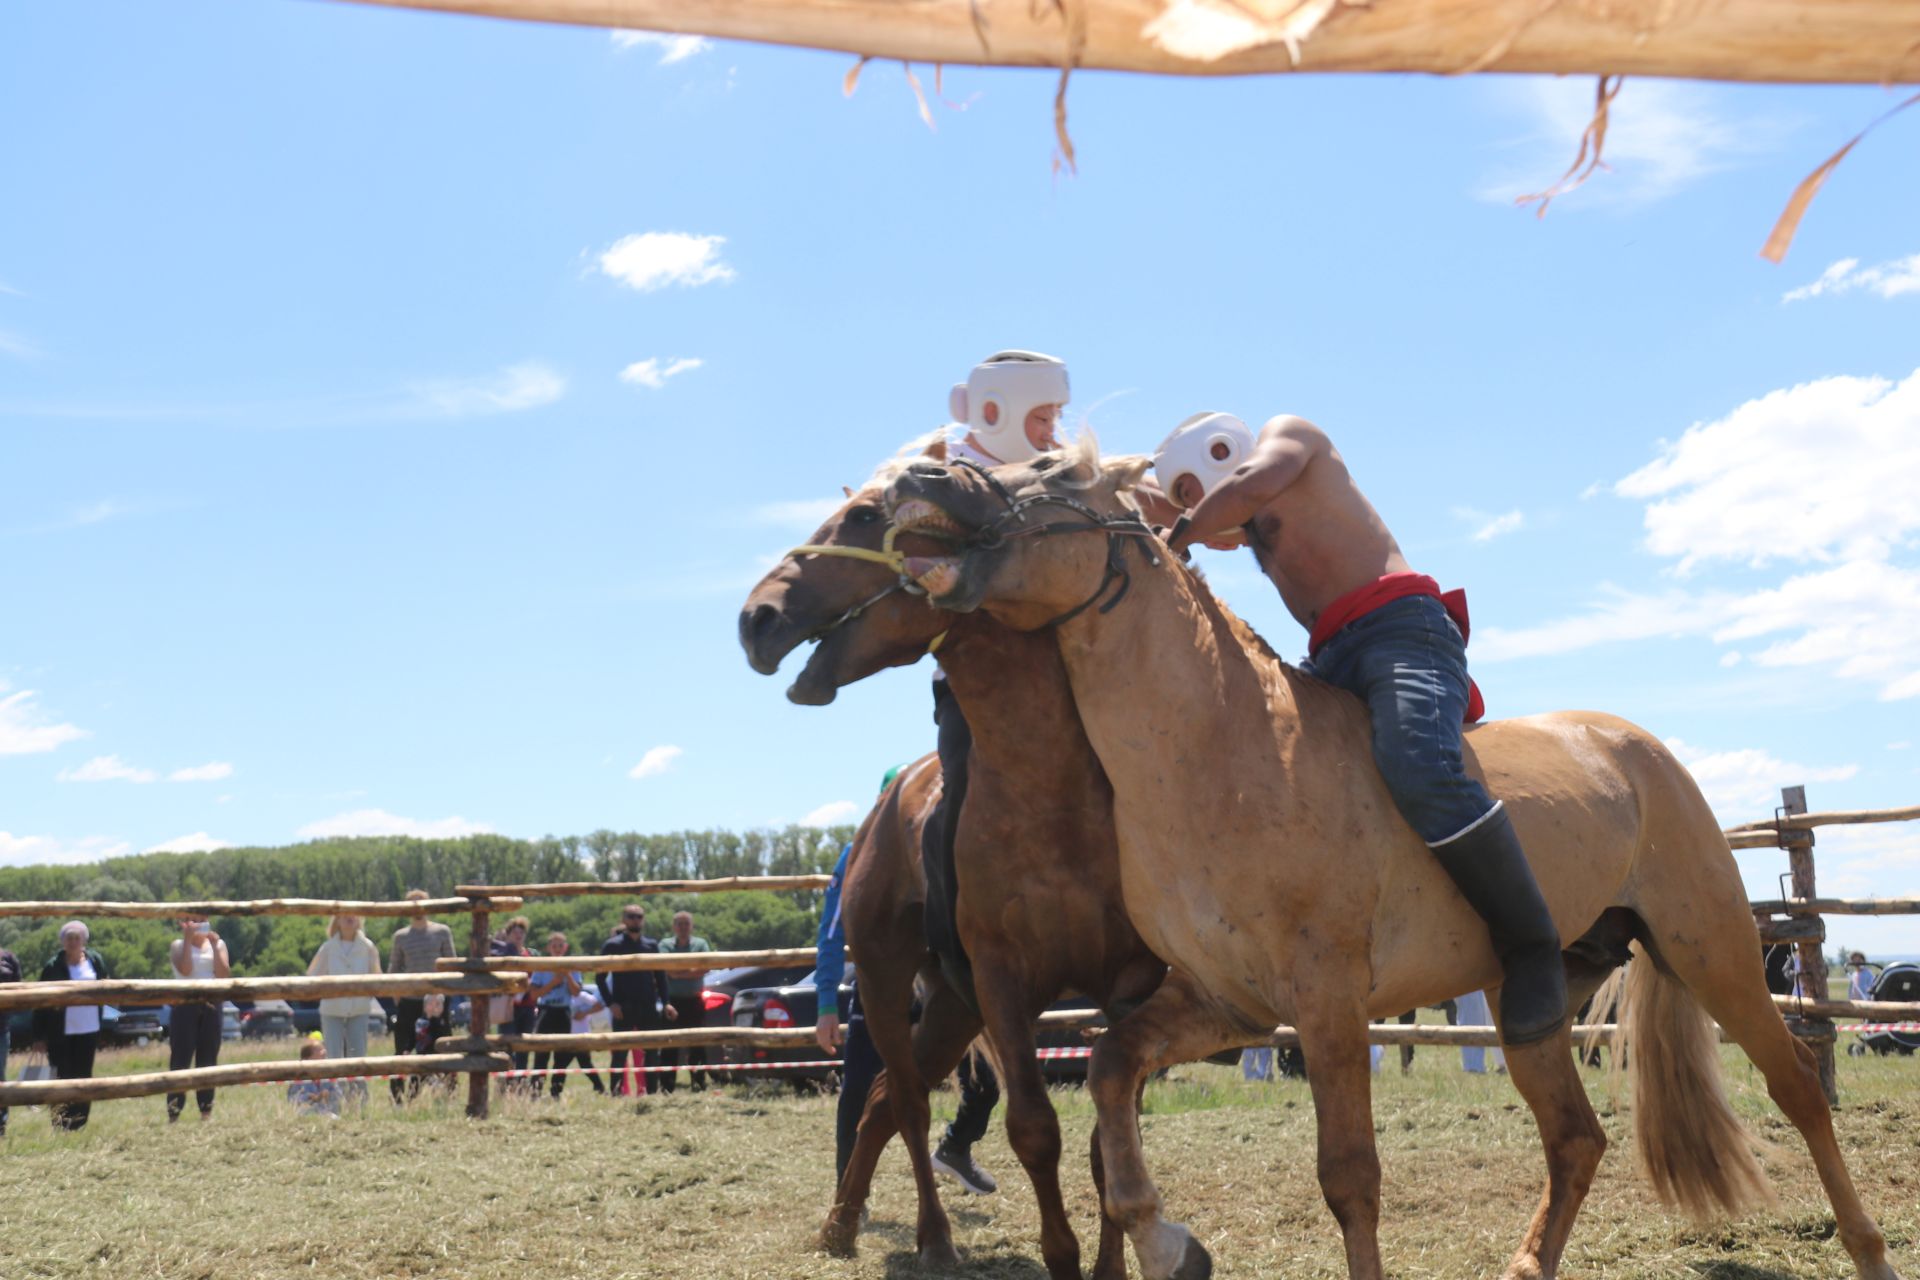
<point>1115,527</point>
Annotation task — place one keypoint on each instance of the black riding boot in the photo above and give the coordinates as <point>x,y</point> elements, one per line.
<point>1492,873</point>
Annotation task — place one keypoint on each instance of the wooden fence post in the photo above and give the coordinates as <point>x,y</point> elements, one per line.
<point>1812,980</point>
<point>478,1082</point>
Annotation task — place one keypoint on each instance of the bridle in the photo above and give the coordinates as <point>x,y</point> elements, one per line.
<point>1009,524</point>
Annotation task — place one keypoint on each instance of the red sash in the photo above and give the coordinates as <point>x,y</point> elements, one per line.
<point>1385,589</point>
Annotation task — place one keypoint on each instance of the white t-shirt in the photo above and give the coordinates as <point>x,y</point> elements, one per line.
<point>82,1019</point>
<point>340,959</point>
<point>199,959</point>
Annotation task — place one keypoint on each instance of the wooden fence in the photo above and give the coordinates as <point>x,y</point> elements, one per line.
<point>1797,920</point>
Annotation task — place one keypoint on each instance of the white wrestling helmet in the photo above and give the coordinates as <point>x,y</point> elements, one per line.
<point>1208,446</point>
<point>1015,383</point>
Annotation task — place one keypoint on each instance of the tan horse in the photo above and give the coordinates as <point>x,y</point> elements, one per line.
<point>1039,906</point>
<point>1261,855</point>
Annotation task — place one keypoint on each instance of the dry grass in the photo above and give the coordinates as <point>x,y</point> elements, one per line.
<point>733,1185</point>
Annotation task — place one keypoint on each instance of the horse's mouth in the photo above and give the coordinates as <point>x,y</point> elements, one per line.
<point>817,685</point>
<point>918,516</point>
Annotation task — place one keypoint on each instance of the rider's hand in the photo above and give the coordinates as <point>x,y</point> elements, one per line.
<point>673,1014</point>
<point>827,1032</point>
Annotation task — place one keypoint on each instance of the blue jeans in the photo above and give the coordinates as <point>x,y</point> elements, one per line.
<point>1407,662</point>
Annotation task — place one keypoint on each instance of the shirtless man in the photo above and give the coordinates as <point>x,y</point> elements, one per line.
<point>1385,633</point>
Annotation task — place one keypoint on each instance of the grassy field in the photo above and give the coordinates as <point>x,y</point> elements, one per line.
<point>733,1184</point>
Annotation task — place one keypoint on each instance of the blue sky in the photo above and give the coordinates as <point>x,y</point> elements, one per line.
<point>395,408</point>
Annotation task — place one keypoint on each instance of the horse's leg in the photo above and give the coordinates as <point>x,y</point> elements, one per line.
<point>946,1028</point>
<point>1546,1077</point>
<point>1333,1035</point>
<point>1717,966</point>
<point>1033,1130</point>
<point>1406,1050</point>
<point>1111,1262</point>
<point>856,1182</point>
<point>1177,1023</point>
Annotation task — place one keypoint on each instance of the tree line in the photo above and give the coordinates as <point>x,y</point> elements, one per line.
<point>385,867</point>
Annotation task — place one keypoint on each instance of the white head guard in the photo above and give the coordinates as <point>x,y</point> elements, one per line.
<point>1015,383</point>
<point>1208,446</point>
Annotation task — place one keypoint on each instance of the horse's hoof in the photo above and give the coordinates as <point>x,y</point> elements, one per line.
<point>837,1237</point>
<point>1195,1263</point>
<point>940,1255</point>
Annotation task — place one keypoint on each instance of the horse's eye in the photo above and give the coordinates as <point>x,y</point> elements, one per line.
<point>1043,464</point>
<point>864,515</point>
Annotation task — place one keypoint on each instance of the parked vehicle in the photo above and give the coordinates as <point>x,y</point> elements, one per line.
<point>229,1021</point>
<point>267,1020</point>
<point>306,1016</point>
<point>136,1025</point>
<point>782,1008</point>
<point>716,998</point>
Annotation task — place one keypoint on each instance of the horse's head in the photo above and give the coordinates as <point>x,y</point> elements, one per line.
<point>1006,557</point>
<point>846,595</point>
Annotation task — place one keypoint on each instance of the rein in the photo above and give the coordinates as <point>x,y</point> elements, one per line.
<point>996,535</point>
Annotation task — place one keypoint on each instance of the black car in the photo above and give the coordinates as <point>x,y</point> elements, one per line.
<point>266,1020</point>
<point>717,997</point>
<point>134,1024</point>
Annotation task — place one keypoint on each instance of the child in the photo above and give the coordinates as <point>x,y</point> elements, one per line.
<point>315,1097</point>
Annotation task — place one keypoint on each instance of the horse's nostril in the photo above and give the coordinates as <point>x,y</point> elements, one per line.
<point>761,619</point>
<point>927,470</point>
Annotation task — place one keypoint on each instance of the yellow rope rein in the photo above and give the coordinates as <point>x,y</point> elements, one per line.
<point>886,556</point>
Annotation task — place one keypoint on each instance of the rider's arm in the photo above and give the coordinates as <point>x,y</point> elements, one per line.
<point>1286,446</point>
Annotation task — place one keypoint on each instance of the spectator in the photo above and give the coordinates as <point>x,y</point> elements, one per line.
<point>314,1097</point>
<point>1859,986</point>
<point>414,950</point>
<point>683,994</point>
<point>512,1016</point>
<point>193,1030</point>
<point>70,1036</point>
<point>347,953</point>
<point>1474,1011</point>
<point>553,992</point>
<point>428,1030</point>
<point>586,1003</point>
<point>9,972</point>
<point>637,998</point>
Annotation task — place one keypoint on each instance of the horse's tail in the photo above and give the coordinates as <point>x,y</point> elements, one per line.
<point>1696,1152</point>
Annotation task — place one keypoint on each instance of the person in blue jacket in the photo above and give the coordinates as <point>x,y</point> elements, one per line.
<point>979,1091</point>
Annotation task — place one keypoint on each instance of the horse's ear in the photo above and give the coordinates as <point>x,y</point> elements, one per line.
<point>1124,472</point>
<point>847,491</point>
<point>938,450</point>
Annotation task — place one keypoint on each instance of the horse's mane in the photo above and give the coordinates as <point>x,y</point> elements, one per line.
<point>1081,454</point>
<point>1241,629</point>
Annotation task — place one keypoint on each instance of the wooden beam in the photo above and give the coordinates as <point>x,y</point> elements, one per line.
<point>1767,839</point>
<point>1793,929</point>
<point>1839,906</point>
<point>638,888</point>
<point>1783,41</point>
<point>664,962</point>
<point>1886,1010</point>
<point>259,907</point>
<point>44,995</point>
<point>1832,818</point>
<point>744,1037</point>
<point>479,939</point>
<point>142,1086</point>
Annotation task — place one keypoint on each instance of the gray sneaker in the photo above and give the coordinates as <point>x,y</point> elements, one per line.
<point>957,1163</point>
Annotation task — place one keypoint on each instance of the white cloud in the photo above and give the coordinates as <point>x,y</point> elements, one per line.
<point>1744,785</point>
<point>107,769</point>
<point>1902,745</point>
<point>810,512</point>
<point>1889,279</point>
<point>1731,658</point>
<point>517,387</point>
<point>673,48</point>
<point>23,850</point>
<point>1661,136</point>
<point>1827,470</point>
<point>652,373</point>
<point>198,842</point>
<point>1859,619</point>
<point>24,732</point>
<point>213,771</point>
<point>657,761</point>
<point>831,814</point>
<point>1615,616</point>
<point>378,822</point>
<point>654,259</point>
<point>1491,529</point>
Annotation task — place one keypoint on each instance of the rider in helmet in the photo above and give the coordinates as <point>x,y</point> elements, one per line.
<point>1386,633</point>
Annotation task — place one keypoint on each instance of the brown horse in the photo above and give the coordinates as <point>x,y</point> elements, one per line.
<point>1039,906</point>
<point>1262,856</point>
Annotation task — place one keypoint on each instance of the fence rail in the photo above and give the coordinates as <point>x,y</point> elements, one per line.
<point>666,961</point>
<point>41,995</point>
<point>255,907</point>
<point>638,888</point>
<point>106,1088</point>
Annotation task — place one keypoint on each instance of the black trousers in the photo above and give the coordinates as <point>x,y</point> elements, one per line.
<point>859,1064</point>
<point>193,1036</point>
<point>692,1014</point>
<point>553,1021</point>
<point>618,1063</point>
<point>71,1058</point>
<point>936,843</point>
<point>406,1039</point>
<point>979,1094</point>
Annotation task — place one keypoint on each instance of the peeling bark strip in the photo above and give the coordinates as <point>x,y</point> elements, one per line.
<point>1783,41</point>
<point>1593,141</point>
